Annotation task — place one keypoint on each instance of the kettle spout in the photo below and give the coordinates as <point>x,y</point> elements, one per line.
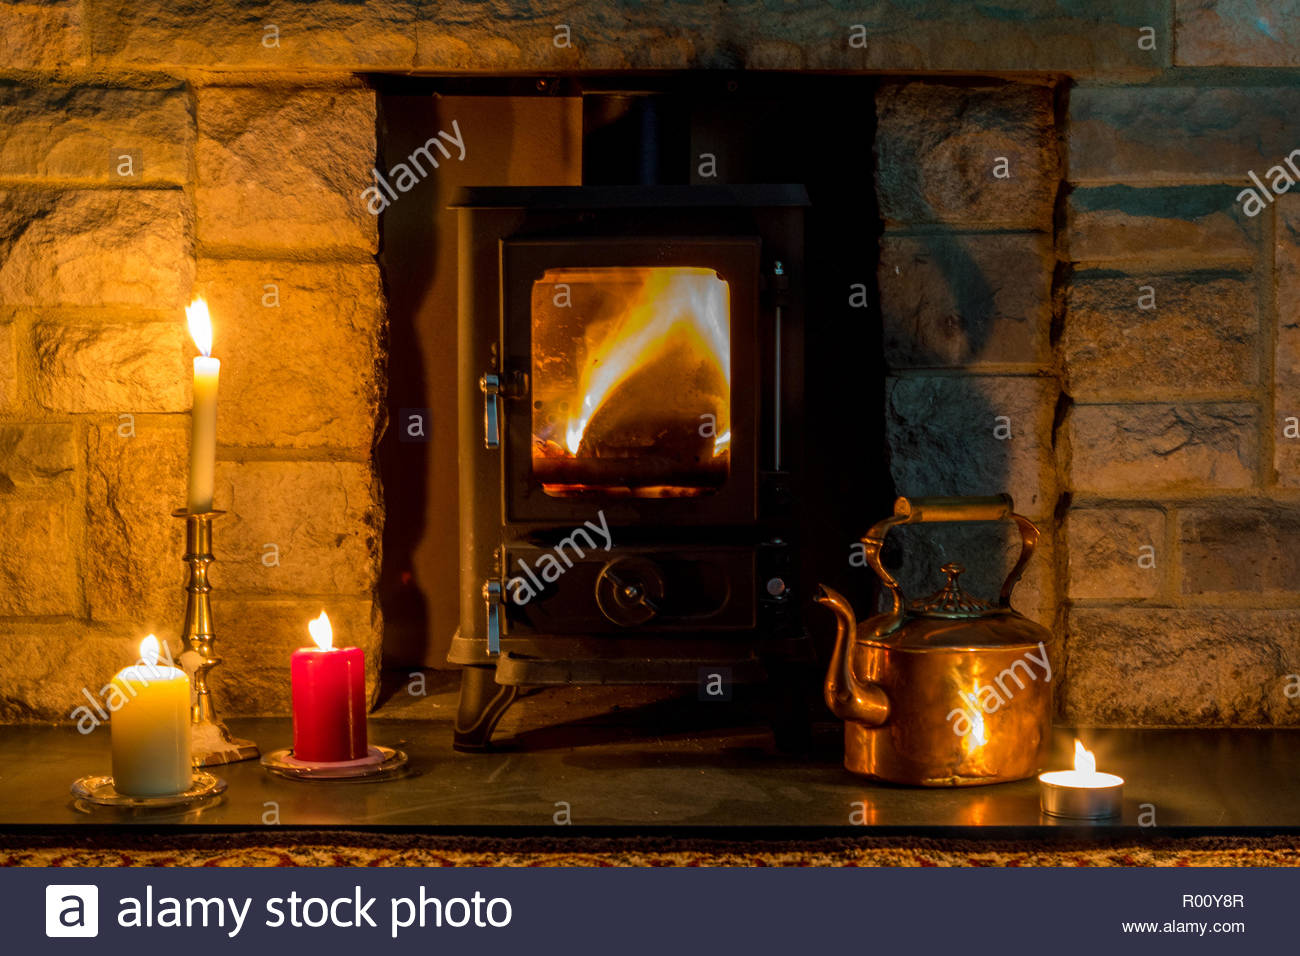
<point>848,699</point>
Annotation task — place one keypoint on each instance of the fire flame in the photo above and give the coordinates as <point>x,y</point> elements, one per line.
<point>1084,761</point>
<point>321,632</point>
<point>196,313</point>
<point>673,301</point>
<point>149,651</point>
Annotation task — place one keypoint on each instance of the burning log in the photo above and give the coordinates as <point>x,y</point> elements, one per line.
<point>670,405</point>
<point>642,472</point>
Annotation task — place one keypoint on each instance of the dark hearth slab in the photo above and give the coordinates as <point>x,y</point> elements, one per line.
<point>649,765</point>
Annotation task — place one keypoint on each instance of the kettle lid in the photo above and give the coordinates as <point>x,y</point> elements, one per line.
<point>950,619</point>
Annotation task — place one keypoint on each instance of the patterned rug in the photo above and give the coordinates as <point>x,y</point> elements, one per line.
<point>314,848</point>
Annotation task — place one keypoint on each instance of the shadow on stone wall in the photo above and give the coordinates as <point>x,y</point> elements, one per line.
<point>967,263</point>
<point>509,141</point>
<point>952,433</point>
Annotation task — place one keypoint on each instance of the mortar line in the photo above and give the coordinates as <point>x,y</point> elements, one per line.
<point>1271,321</point>
<point>1174,566</point>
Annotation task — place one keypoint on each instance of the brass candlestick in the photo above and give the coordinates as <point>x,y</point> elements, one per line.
<point>213,743</point>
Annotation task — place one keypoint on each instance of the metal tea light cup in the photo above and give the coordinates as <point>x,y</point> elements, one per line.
<point>1081,803</point>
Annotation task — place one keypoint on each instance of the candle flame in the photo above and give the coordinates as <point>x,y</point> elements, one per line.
<point>321,632</point>
<point>200,325</point>
<point>149,651</point>
<point>1084,761</point>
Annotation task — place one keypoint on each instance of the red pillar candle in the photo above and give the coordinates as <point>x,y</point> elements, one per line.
<point>329,698</point>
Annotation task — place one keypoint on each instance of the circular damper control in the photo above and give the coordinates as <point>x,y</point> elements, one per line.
<point>630,591</point>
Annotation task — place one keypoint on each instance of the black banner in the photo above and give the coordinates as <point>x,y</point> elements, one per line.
<point>659,911</point>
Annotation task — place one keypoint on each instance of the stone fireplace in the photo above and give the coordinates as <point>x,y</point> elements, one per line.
<point>1056,271</point>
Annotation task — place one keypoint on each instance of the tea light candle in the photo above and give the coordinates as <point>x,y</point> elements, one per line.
<point>1081,793</point>
<point>203,429</point>
<point>329,698</point>
<point>151,727</point>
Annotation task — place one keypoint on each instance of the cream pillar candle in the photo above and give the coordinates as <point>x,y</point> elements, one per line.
<point>203,432</point>
<point>151,727</point>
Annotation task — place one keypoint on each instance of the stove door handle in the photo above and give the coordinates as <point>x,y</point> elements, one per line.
<point>492,598</point>
<point>490,383</point>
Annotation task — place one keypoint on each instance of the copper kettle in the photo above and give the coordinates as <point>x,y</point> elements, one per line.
<point>948,691</point>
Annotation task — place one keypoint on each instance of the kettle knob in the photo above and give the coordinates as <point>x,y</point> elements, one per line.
<point>951,600</point>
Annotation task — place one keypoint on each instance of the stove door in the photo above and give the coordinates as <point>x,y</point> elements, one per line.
<point>637,365</point>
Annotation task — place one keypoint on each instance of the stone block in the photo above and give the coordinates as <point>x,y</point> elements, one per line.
<point>473,35</point>
<point>254,34</point>
<point>257,640</point>
<point>1116,552</point>
<point>300,527</point>
<point>1286,450</point>
<point>1237,33</point>
<point>51,667</point>
<point>1037,36</point>
<point>1286,366</point>
<point>307,337</point>
<point>1202,337</point>
<point>1189,133</point>
<point>1161,448</point>
<point>112,367</point>
<point>1143,667</point>
<point>478,36</point>
<point>37,459</point>
<point>8,365</point>
<point>286,168</point>
<point>1251,548</point>
<point>944,437</point>
<point>40,34</point>
<point>137,477</point>
<point>951,300</point>
<point>105,247</point>
<point>38,567</point>
<point>81,132</point>
<point>1160,222</point>
<point>1286,264</point>
<point>941,151</point>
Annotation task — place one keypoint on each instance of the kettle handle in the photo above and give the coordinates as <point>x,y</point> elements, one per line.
<point>973,508</point>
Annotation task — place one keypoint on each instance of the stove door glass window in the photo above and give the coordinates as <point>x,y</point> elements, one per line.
<point>631,381</point>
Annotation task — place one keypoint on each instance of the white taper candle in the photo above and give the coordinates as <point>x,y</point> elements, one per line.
<point>203,433</point>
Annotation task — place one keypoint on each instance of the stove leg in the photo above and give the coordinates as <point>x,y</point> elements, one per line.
<point>482,702</point>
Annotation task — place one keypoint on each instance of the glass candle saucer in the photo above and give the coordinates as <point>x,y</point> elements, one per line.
<point>378,764</point>
<point>99,791</point>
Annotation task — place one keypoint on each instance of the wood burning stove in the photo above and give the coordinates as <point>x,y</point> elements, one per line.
<point>630,403</point>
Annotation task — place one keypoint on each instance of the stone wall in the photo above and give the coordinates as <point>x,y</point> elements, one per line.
<point>1180,357</point>
<point>1085,165</point>
<point>1109,334</point>
<point>123,195</point>
<point>1168,340</point>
